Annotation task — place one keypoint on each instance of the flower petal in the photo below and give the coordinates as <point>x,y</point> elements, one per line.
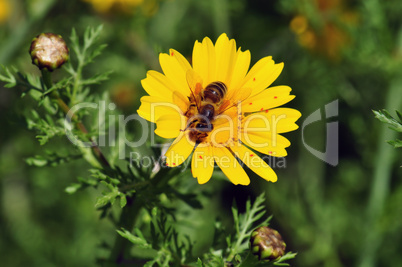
<point>181,101</point>
<point>204,60</point>
<point>273,145</point>
<point>226,56</point>
<point>202,164</point>
<point>262,75</point>
<point>158,85</point>
<point>153,107</point>
<point>254,162</point>
<point>278,120</point>
<point>230,166</point>
<point>225,129</point>
<point>240,69</point>
<point>179,151</point>
<point>170,125</point>
<point>174,69</point>
<point>269,98</point>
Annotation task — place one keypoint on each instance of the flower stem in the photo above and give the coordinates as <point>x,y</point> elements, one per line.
<point>381,181</point>
<point>127,220</point>
<point>47,79</point>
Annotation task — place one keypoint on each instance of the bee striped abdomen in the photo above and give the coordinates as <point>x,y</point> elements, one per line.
<point>215,92</point>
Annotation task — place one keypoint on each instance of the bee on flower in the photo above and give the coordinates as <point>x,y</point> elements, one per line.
<point>219,111</point>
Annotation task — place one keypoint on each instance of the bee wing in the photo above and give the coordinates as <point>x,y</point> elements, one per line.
<point>180,100</point>
<point>194,82</point>
<point>240,95</point>
<point>235,98</point>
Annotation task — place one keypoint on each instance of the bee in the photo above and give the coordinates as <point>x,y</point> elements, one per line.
<point>203,109</point>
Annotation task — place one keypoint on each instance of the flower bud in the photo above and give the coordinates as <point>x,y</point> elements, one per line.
<point>48,51</point>
<point>267,243</point>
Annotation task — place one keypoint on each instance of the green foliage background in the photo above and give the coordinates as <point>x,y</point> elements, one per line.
<point>347,215</point>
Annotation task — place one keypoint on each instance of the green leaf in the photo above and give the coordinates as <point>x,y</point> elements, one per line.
<point>245,223</point>
<point>73,188</point>
<point>123,201</point>
<point>97,79</point>
<point>136,240</point>
<point>46,129</point>
<point>37,161</point>
<point>199,263</point>
<point>8,78</point>
<point>397,143</point>
<point>287,256</point>
<point>385,117</point>
<point>50,159</point>
<point>399,115</point>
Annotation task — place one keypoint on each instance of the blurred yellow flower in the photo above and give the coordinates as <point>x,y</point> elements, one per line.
<point>148,7</point>
<point>123,95</point>
<point>103,6</point>
<point>328,37</point>
<point>219,110</point>
<point>5,10</point>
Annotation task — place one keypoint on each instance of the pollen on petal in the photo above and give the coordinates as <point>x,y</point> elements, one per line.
<point>172,53</point>
<point>262,109</point>
<point>250,103</point>
<point>200,157</point>
<point>251,155</point>
<point>254,79</point>
<point>174,164</point>
<point>275,97</point>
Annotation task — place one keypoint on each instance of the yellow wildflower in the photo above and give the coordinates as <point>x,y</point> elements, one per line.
<point>103,6</point>
<point>4,10</point>
<point>329,37</point>
<point>219,110</point>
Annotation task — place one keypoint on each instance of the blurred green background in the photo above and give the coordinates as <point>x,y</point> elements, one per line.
<point>351,51</point>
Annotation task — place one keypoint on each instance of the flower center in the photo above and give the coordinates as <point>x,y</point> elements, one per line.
<point>205,104</point>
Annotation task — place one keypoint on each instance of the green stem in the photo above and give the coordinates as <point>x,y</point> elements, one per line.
<point>47,80</point>
<point>381,182</point>
<point>77,79</point>
<point>127,220</point>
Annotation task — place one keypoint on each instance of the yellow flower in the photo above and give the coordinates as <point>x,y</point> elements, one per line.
<point>4,10</point>
<point>219,110</point>
<point>329,37</point>
<point>103,6</point>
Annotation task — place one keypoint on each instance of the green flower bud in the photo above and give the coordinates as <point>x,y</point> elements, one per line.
<point>48,51</point>
<point>267,244</point>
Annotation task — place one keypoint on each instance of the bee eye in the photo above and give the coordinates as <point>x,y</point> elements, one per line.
<point>204,127</point>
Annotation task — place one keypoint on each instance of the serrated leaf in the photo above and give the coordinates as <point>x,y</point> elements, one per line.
<point>385,117</point>
<point>397,143</point>
<point>281,260</point>
<point>136,240</point>
<point>399,115</point>
<point>106,199</point>
<point>8,78</point>
<point>97,79</point>
<point>245,223</point>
